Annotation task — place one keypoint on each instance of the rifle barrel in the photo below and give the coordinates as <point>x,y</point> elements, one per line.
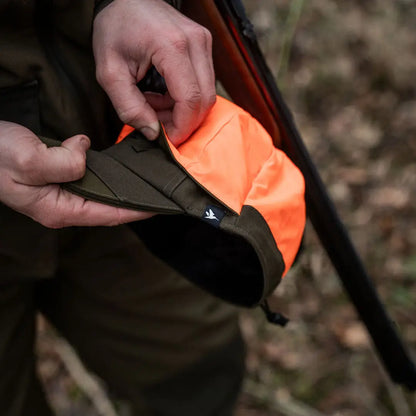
<point>321,211</point>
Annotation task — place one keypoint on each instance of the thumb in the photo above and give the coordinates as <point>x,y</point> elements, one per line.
<point>57,164</point>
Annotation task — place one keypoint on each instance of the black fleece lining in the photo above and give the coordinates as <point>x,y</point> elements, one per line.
<point>222,263</point>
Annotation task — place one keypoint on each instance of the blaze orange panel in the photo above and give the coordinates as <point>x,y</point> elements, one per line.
<point>225,153</point>
<point>125,131</point>
<point>278,194</point>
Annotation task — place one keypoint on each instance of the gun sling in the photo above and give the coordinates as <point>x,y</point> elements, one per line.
<point>241,68</point>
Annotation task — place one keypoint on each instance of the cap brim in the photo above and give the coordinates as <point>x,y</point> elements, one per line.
<point>110,182</point>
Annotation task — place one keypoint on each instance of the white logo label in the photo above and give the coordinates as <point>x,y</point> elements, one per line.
<point>209,214</point>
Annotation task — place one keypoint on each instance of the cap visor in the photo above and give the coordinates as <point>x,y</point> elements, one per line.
<point>110,182</point>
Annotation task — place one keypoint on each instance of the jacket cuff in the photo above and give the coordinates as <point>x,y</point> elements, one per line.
<point>100,4</point>
<point>175,3</point>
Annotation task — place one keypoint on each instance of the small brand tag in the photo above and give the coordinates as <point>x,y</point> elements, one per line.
<point>213,215</point>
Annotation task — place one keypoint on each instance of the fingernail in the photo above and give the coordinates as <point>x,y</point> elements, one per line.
<point>151,132</point>
<point>85,142</point>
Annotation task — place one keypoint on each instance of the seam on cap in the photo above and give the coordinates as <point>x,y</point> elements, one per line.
<point>262,166</point>
<point>184,169</point>
<point>177,180</point>
<point>196,162</point>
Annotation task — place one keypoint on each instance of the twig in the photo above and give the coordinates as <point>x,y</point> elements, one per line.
<point>295,11</point>
<point>90,385</point>
<point>398,399</point>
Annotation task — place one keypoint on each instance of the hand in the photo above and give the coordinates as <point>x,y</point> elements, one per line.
<point>29,177</point>
<point>131,35</point>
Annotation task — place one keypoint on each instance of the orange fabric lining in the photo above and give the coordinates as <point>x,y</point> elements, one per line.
<point>125,131</point>
<point>278,194</point>
<point>225,153</point>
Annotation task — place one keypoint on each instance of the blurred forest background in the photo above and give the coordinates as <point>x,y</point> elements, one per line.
<point>348,72</point>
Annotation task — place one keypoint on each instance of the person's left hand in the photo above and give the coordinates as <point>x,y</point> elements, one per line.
<point>131,35</point>
<point>30,174</point>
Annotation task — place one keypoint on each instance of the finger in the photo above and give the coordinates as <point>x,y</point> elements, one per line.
<point>40,165</point>
<point>130,104</point>
<point>183,87</point>
<point>165,118</point>
<point>200,52</point>
<point>163,105</point>
<point>159,102</point>
<point>58,208</point>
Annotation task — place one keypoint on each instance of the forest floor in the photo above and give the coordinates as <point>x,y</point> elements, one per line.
<point>347,69</point>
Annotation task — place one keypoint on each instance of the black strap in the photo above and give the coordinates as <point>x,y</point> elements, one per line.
<point>275,318</point>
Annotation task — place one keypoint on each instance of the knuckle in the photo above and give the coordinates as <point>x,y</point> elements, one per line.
<point>208,38</point>
<point>180,44</point>
<point>201,34</point>
<point>194,98</point>
<point>212,98</point>
<point>78,166</point>
<point>106,74</point>
<point>129,115</point>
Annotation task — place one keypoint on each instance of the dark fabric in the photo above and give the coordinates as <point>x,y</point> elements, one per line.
<point>49,42</point>
<point>20,391</point>
<point>203,389</point>
<point>133,320</point>
<point>19,104</point>
<point>100,4</point>
<point>222,263</point>
<point>28,250</point>
<point>225,264</point>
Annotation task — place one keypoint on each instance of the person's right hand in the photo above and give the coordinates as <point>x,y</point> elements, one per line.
<point>30,174</point>
<point>129,36</point>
